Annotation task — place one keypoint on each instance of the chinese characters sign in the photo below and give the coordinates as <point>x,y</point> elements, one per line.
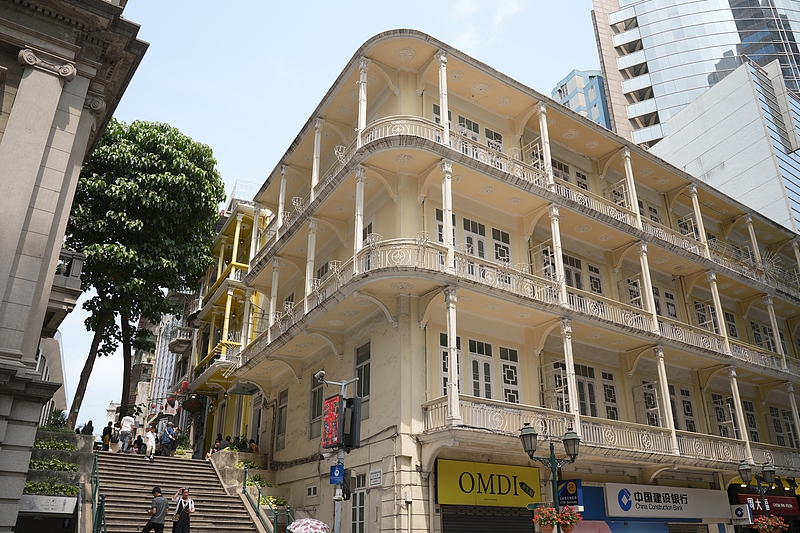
<point>332,410</point>
<point>652,501</point>
<point>776,504</point>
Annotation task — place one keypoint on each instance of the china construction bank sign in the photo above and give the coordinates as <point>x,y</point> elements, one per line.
<point>468,483</point>
<point>648,501</point>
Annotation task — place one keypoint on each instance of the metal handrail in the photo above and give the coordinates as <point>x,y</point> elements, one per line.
<point>98,501</point>
<point>275,511</point>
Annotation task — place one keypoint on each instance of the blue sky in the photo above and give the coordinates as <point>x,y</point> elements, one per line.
<point>243,77</point>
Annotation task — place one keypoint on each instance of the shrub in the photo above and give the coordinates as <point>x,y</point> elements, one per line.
<point>239,444</point>
<point>54,444</point>
<point>57,421</point>
<point>273,501</point>
<point>51,486</point>
<point>51,462</point>
<point>257,480</point>
<point>246,463</point>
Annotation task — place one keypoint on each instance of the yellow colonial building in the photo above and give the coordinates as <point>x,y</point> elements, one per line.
<point>434,210</point>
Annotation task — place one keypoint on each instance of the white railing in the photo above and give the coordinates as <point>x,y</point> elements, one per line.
<point>710,447</point>
<point>503,276</point>
<point>776,455</point>
<point>610,310</point>
<point>698,337</point>
<point>752,354</point>
<point>671,236</point>
<point>594,202</point>
<point>620,435</point>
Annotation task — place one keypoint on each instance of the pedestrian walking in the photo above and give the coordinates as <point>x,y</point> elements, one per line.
<point>114,443</point>
<point>88,429</point>
<point>158,511</point>
<point>150,436</point>
<point>168,440</point>
<point>107,431</point>
<point>184,506</point>
<point>126,432</point>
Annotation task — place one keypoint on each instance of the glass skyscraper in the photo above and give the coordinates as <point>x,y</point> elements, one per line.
<point>659,55</point>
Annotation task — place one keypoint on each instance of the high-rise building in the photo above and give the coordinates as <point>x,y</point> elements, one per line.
<point>477,273</point>
<point>742,136</point>
<point>64,65</point>
<point>583,92</point>
<point>659,55</point>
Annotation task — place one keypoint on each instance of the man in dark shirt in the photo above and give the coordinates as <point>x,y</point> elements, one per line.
<point>158,511</point>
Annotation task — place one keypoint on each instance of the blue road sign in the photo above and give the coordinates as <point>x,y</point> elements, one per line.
<point>337,474</point>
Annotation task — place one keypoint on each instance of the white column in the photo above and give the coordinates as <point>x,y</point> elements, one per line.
<point>453,405</point>
<point>226,321</point>
<point>310,251</point>
<point>358,220</point>
<point>236,235</point>
<point>223,242</point>
<point>630,183</point>
<point>558,258</point>
<point>748,220</point>
<point>776,334</point>
<point>723,329</point>
<point>569,362</point>
<point>698,219</point>
<point>363,67</point>
<point>246,317</point>
<point>647,297</point>
<point>666,404</point>
<point>793,405</point>
<point>441,55</point>
<point>545,135</point>
<point>273,296</point>
<point>737,403</point>
<point>254,236</point>
<point>282,196</point>
<point>447,212</point>
<point>796,248</point>
<point>318,125</point>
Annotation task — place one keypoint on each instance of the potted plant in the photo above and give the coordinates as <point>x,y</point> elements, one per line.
<point>568,517</point>
<point>769,524</point>
<point>546,517</point>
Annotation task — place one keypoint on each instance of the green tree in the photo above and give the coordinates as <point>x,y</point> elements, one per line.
<point>144,212</point>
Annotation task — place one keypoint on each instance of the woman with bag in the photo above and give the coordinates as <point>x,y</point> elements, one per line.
<point>184,507</point>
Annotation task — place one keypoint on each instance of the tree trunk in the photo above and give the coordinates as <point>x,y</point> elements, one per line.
<point>127,340</point>
<point>77,400</point>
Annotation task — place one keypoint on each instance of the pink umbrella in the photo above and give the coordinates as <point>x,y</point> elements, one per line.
<point>308,525</point>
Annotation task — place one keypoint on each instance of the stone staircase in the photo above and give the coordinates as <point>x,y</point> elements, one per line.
<point>126,481</point>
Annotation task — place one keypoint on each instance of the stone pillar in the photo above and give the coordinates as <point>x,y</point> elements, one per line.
<point>663,389</point>
<point>647,290</point>
<point>723,329</point>
<point>558,258</point>
<point>796,248</point>
<point>698,218</point>
<point>748,220</point>
<point>630,183</point>
<point>221,258</point>
<point>358,220</point>
<point>793,404</point>
<point>226,320</point>
<point>363,67</point>
<point>447,212</point>
<point>310,251</point>
<point>246,317</point>
<point>236,234</point>
<point>740,421</point>
<point>23,145</point>
<point>318,125</point>
<point>256,230</point>
<point>572,385</point>
<point>282,198</point>
<point>441,56</point>
<point>776,334</point>
<point>545,135</point>
<point>453,405</point>
<point>273,297</point>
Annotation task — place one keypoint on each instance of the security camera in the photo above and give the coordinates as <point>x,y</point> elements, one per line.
<point>320,376</point>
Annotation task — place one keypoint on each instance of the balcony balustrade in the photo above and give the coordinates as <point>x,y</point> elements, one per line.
<point>234,271</point>
<point>530,174</point>
<point>603,436</point>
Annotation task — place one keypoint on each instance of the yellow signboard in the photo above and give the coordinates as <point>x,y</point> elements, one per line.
<point>468,483</point>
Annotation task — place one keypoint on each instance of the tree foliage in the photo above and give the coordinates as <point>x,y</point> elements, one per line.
<point>143,214</point>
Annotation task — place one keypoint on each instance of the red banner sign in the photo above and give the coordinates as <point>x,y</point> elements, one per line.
<point>332,411</point>
<point>781,505</point>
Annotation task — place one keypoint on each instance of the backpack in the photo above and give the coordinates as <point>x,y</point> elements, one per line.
<point>115,436</point>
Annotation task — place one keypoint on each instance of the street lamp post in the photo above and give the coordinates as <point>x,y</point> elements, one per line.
<point>767,475</point>
<point>530,439</point>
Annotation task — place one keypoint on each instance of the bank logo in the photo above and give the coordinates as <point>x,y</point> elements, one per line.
<point>739,512</point>
<point>624,498</point>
